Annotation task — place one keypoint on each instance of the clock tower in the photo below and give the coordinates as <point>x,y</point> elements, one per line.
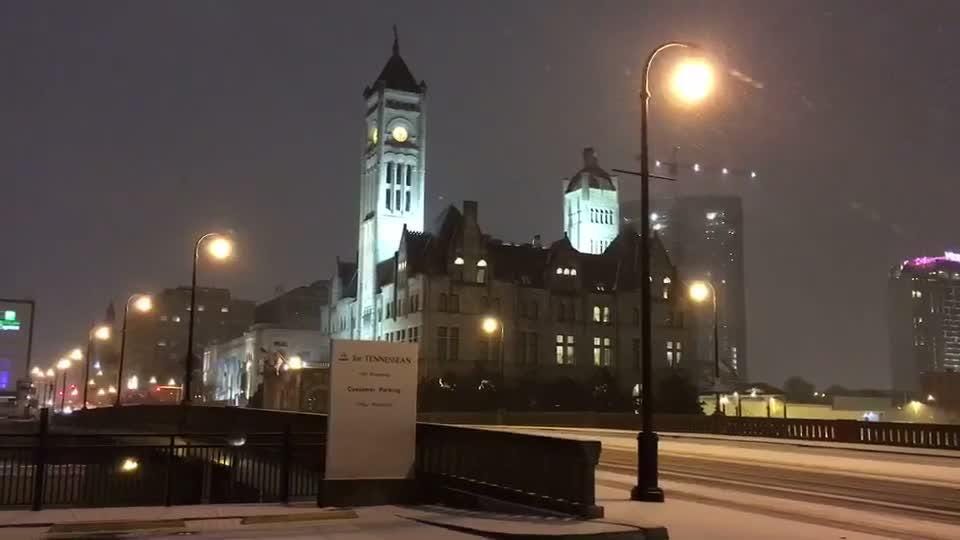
<point>392,174</point>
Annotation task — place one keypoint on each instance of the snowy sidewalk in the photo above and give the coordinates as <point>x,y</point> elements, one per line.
<point>274,521</point>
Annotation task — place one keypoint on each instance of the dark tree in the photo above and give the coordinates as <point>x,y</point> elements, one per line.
<point>676,394</point>
<point>798,389</point>
<point>837,390</point>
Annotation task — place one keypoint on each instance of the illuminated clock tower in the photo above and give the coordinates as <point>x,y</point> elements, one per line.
<point>392,174</point>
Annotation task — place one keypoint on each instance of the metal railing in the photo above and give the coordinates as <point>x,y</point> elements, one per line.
<point>543,472</point>
<point>933,436</point>
<point>47,469</point>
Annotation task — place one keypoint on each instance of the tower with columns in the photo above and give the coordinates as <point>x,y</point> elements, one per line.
<point>392,190</point>
<point>591,206</point>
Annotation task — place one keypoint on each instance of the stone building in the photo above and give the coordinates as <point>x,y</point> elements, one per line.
<point>563,312</point>
<point>565,309</point>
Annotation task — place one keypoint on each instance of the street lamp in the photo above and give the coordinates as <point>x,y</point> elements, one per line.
<point>219,247</point>
<point>142,303</point>
<point>699,292</point>
<point>490,326</point>
<point>648,488</point>
<point>63,365</point>
<point>100,333</point>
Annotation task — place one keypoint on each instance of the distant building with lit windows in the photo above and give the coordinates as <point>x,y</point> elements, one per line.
<point>703,236</point>
<point>924,319</point>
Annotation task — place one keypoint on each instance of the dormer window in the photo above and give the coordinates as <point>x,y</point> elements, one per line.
<point>458,261</point>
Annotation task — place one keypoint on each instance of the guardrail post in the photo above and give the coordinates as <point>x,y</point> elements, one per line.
<point>168,480</point>
<point>40,459</point>
<point>285,466</point>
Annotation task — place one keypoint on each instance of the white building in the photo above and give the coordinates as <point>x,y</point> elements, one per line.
<point>233,370</point>
<point>392,179</point>
<point>591,207</point>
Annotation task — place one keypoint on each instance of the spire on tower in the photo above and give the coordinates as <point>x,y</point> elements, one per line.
<point>396,42</point>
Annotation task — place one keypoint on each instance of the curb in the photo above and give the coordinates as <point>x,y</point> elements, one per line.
<point>639,533</point>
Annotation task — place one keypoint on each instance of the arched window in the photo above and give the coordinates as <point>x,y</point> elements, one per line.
<point>481,263</point>
<point>458,261</point>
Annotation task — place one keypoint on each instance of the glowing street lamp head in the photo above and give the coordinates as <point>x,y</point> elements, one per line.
<point>699,291</point>
<point>51,372</point>
<point>63,364</point>
<point>102,332</point>
<point>76,354</point>
<point>143,303</point>
<point>693,80</point>
<point>220,247</point>
<point>490,325</point>
<point>36,372</point>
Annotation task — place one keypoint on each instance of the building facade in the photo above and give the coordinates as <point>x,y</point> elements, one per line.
<point>704,238</point>
<point>235,370</point>
<point>392,178</point>
<point>302,307</point>
<point>563,310</point>
<point>564,313</point>
<point>924,319</point>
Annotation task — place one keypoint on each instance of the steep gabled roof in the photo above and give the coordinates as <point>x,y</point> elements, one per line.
<point>395,75</point>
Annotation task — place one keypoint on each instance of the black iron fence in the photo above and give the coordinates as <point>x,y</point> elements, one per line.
<point>542,472</point>
<point>936,436</point>
<point>47,469</point>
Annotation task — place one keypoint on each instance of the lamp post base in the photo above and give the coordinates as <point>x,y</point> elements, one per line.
<point>647,488</point>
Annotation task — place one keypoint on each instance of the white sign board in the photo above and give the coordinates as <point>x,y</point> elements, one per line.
<point>372,421</point>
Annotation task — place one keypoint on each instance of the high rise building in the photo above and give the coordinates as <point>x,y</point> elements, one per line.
<point>924,319</point>
<point>591,207</point>
<point>302,307</point>
<point>703,236</point>
<point>156,346</point>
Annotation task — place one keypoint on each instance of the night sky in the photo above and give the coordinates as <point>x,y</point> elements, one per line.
<point>127,128</point>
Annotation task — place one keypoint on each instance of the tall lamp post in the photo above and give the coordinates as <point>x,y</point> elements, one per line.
<point>491,326</point>
<point>51,387</point>
<point>99,333</point>
<point>692,82</point>
<point>142,303</point>
<point>699,291</point>
<point>219,247</point>
<point>63,365</point>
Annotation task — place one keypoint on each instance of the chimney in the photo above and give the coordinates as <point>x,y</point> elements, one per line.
<point>536,241</point>
<point>470,211</point>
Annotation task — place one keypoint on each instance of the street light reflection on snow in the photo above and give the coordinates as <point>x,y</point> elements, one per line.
<point>129,465</point>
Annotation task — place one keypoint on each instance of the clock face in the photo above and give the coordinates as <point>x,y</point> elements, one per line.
<point>399,134</point>
<point>374,134</point>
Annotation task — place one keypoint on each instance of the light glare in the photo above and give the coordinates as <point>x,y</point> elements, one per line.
<point>220,248</point>
<point>490,325</point>
<point>693,80</point>
<point>699,291</point>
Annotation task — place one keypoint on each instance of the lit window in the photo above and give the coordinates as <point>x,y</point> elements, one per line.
<point>565,350</point>
<point>657,226</point>
<point>711,216</point>
<point>161,343</point>
<point>224,309</point>
<point>674,352</point>
<point>163,317</point>
<point>566,271</point>
<point>667,281</point>
<point>200,308</point>
<point>176,318</point>
<point>559,271</point>
<point>481,263</point>
<point>573,271</point>
<point>596,313</point>
<point>458,261</point>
